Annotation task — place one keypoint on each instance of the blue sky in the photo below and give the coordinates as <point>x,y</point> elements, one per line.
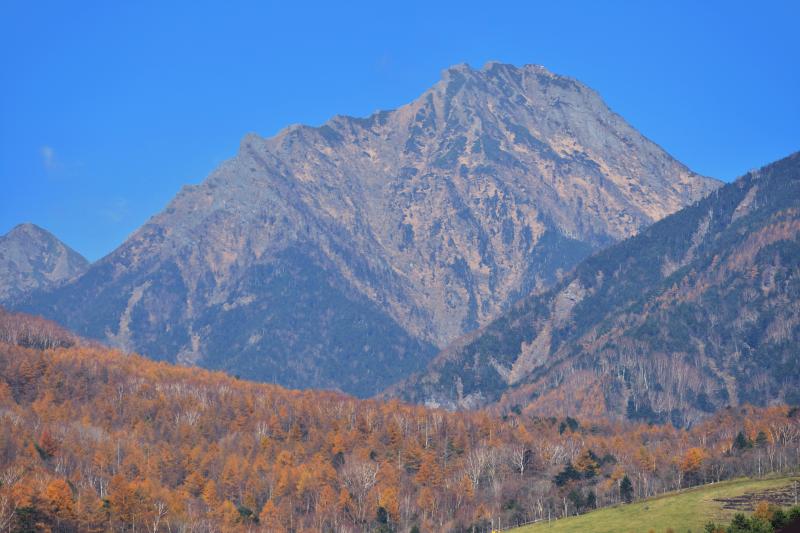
<point>108,108</point>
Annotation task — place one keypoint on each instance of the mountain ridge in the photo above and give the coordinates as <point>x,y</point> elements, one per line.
<point>696,312</point>
<point>423,223</point>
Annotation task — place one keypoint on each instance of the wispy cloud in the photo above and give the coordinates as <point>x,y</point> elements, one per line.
<point>48,157</point>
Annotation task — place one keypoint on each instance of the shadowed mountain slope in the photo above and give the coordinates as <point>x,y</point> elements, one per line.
<point>699,311</point>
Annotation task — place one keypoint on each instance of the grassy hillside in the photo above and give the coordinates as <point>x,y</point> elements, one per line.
<point>684,511</point>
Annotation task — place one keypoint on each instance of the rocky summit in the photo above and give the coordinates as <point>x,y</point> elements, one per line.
<point>32,258</point>
<point>343,256</point>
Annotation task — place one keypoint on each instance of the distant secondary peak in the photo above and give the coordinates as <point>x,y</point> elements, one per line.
<point>27,228</point>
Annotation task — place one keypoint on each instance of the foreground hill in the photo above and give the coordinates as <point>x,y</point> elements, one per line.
<point>94,440</point>
<point>683,511</point>
<point>342,256</point>
<point>699,311</point>
<point>32,258</point>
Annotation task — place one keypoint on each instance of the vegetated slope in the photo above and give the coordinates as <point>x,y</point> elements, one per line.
<point>699,311</point>
<point>688,510</point>
<point>341,256</point>
<point>19,329</point>
<point>95,440</point>
<point>32,258</point>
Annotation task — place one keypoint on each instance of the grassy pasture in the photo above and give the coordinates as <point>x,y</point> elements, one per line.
<point>683,511</point>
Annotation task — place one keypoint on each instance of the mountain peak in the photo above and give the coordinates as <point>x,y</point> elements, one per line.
<point>28,228</point>
<point>366,243</point>
<point>496,67</point>
<point>32,258</point>
<point>499,69</point>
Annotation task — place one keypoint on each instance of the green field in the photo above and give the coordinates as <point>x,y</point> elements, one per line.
<point>688,510</point>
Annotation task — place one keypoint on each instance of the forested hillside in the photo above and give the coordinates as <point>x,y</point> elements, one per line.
<point>699,311</point>
<point>95,440</point>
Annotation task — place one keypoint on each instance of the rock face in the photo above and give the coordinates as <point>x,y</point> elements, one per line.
<point>699,311</point>
<point>32,258</point>
<point>341,256</point>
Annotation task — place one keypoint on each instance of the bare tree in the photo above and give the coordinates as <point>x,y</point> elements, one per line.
<point>8,508</point>
<point>518,456</point>
<point>160,511</point>
<point>359,477</point>
<point>475,464</point>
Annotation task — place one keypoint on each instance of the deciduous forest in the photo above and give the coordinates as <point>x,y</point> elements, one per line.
<point>96,440</point>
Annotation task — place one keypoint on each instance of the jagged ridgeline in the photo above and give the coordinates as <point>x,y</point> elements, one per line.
<point>346,255</point>
<point>699,311</point>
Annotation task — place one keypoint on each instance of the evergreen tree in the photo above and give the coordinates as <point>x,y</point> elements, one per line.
<point>626,490</point>
<point>741,442</point>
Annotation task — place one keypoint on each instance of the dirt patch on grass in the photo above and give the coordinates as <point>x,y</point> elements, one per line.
<point>785,496</point>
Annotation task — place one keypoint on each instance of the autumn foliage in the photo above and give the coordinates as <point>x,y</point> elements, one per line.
<point>33,332</point>
<point>96,440</point>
